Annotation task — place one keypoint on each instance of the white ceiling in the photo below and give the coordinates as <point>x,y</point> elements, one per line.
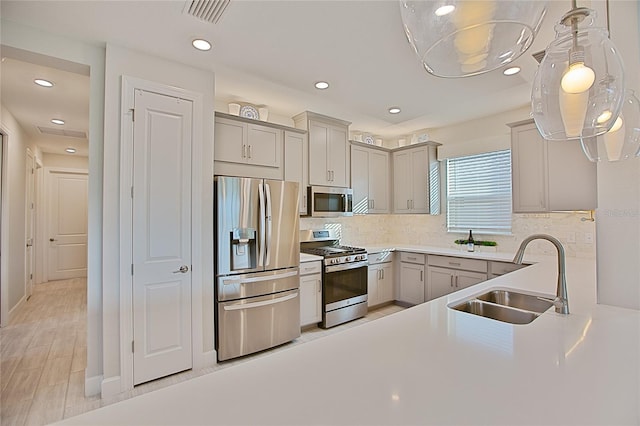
<point>271,53</point>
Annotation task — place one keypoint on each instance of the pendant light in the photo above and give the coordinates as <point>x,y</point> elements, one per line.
<point>459,38</point>
<point>579,86</point>
<point>622,141</point>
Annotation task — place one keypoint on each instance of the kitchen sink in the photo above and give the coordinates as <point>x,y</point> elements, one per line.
<point>504,305</point>
<point>514,299</point>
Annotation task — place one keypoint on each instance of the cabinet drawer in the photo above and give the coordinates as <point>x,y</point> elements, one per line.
<point>501,268</point>
<point>413,257</point>
<point>458,263</point>
<point>314,267</point>
<point>382,257</point>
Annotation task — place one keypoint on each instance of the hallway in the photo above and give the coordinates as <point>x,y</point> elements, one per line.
<point>43,353</point>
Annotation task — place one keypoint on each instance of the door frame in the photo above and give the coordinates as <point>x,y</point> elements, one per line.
<point>4,232</point>
<point>198,291</point>
<point>44,235</point>
<point>30,186</point>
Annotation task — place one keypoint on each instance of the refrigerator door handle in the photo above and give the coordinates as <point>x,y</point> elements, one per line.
<point>262,215</point>
<point>258,304</point>
<point>267,260</point>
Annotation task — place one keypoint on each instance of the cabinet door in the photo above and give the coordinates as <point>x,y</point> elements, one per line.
<point>378,181</point>
<point>528,169</point>
<point>373,276</point>
<point>295,164</point>
<point>420,180</point>
<point>385,283</point>
<point>465,279</point>
<point>337,157</point>
<point>318,144</point>
<point>411,283</point>
<point>264,146</point>
<point>360,179</point>
<point>440,282</point>
<point>229,141</point>
<point>310,299</point>
<point>402,185</point>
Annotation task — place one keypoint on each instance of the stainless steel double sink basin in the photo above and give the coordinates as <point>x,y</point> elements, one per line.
<point>506,305</point>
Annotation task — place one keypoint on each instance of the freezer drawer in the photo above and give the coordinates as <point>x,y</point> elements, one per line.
<point>257,284</point>
<point>251,325</point>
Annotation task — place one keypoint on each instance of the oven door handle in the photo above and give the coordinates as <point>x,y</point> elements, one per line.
<point>241,306</point>
<point>345,266</point>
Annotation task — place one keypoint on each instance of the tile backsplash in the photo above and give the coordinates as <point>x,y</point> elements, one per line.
<point>429,230</point>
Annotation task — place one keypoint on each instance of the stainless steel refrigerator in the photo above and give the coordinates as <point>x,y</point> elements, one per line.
<point>257,260</point>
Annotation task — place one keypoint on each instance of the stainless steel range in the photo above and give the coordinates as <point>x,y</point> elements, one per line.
<point>344,276</point>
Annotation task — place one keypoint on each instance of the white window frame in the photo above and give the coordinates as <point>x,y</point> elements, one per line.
<point>475,181</point>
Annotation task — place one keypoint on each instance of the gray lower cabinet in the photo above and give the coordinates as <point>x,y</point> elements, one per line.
<point>310,293</point>
<point>380,279</point>
<point>412,278</point>
<point>447,274</point>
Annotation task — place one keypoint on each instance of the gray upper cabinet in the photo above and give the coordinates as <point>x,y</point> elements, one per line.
<point>415,171</point>
<point>296,163</point>
<point>549,175</point>
<point>369,179</point>
<point>328,149</point>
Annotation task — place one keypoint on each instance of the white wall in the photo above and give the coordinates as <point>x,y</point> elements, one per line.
<point>123,62</point>
<point>33,40</point>
<point>618,214</point>
<point>68,161</point>
<point>13,227</point>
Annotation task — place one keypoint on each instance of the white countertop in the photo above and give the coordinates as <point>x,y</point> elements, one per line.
<point>304,257</point>
<point>429,365</point>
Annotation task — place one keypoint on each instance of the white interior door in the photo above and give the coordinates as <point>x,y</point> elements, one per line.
<point>29,222</point>
<point>162,140</point>
<point>67,251</point>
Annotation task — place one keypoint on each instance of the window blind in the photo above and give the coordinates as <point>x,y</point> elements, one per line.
<point>479,193</point>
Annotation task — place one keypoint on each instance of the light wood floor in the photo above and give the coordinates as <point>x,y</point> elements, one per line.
<point>43,356</point>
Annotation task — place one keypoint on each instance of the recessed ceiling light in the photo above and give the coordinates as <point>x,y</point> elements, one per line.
<point>322,85</point>
<point>43,83</point>
<point>445,10</point>
<point>57,121</point>
<point>201,44</point>
<point>394,110</point>
<point>511,71</point>
<point>71,150</point>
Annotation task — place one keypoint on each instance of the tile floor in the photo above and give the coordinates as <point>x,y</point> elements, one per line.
<point>43,356</point>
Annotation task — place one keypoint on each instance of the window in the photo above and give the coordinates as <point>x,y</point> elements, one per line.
<point>479,193</point>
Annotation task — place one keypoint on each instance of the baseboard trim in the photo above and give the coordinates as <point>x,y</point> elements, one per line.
<point>92,385</point>
<point>111,386</point>
<point>13,310</point>
<point>206,359</point>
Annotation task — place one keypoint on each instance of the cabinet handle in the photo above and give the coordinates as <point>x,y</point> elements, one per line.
<point>249,151</point>
<point>244,151</point>
<point>319,285</point>
<point>373,204</point>
<point>328,175</point>
<point>411,204</point>
<point>451,281</point>
<point>408,205</point>
<point>382,270</point>
<point>332,176</point>
<point>412,258</point>
<point>455,263</point>
<point>456,281</point>
<point>421,275</point>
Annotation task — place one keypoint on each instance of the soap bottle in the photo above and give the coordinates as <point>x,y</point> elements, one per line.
<point>470,242</point>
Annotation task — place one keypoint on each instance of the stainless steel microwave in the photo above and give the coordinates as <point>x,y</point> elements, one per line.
<point>328,201</point>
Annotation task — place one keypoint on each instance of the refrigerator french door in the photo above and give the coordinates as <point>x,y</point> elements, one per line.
<point>257,259</point>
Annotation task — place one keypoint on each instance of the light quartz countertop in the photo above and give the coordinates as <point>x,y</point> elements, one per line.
<point>305,257</point>
<point>429,364</point>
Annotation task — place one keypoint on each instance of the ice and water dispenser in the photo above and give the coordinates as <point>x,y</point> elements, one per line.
<point>243,249</point>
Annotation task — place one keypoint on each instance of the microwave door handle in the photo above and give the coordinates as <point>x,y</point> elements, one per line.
<point>344,203</point>
<point>262,214</point>
<point>269,225</point>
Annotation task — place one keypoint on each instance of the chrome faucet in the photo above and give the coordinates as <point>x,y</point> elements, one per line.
<point>561,301</point>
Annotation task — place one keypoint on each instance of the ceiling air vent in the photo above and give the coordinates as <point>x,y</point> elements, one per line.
<point>538,56</point>
<point>206,10</point>
<point>61,132</point>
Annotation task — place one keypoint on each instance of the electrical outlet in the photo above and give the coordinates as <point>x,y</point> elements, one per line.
<point>588,238</point>
<point>571,237</point>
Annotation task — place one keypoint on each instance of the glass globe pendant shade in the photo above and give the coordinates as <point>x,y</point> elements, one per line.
<point>622,141</point>
<point>460,38</point>
<point>579,86</point>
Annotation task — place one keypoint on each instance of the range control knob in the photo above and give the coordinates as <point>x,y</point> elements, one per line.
<point>348,259</point>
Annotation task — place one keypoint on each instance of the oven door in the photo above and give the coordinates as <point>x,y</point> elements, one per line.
<point>344,285</point>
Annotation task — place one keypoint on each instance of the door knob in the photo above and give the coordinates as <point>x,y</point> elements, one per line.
<point>183,270</point>
<point>52,239</point>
